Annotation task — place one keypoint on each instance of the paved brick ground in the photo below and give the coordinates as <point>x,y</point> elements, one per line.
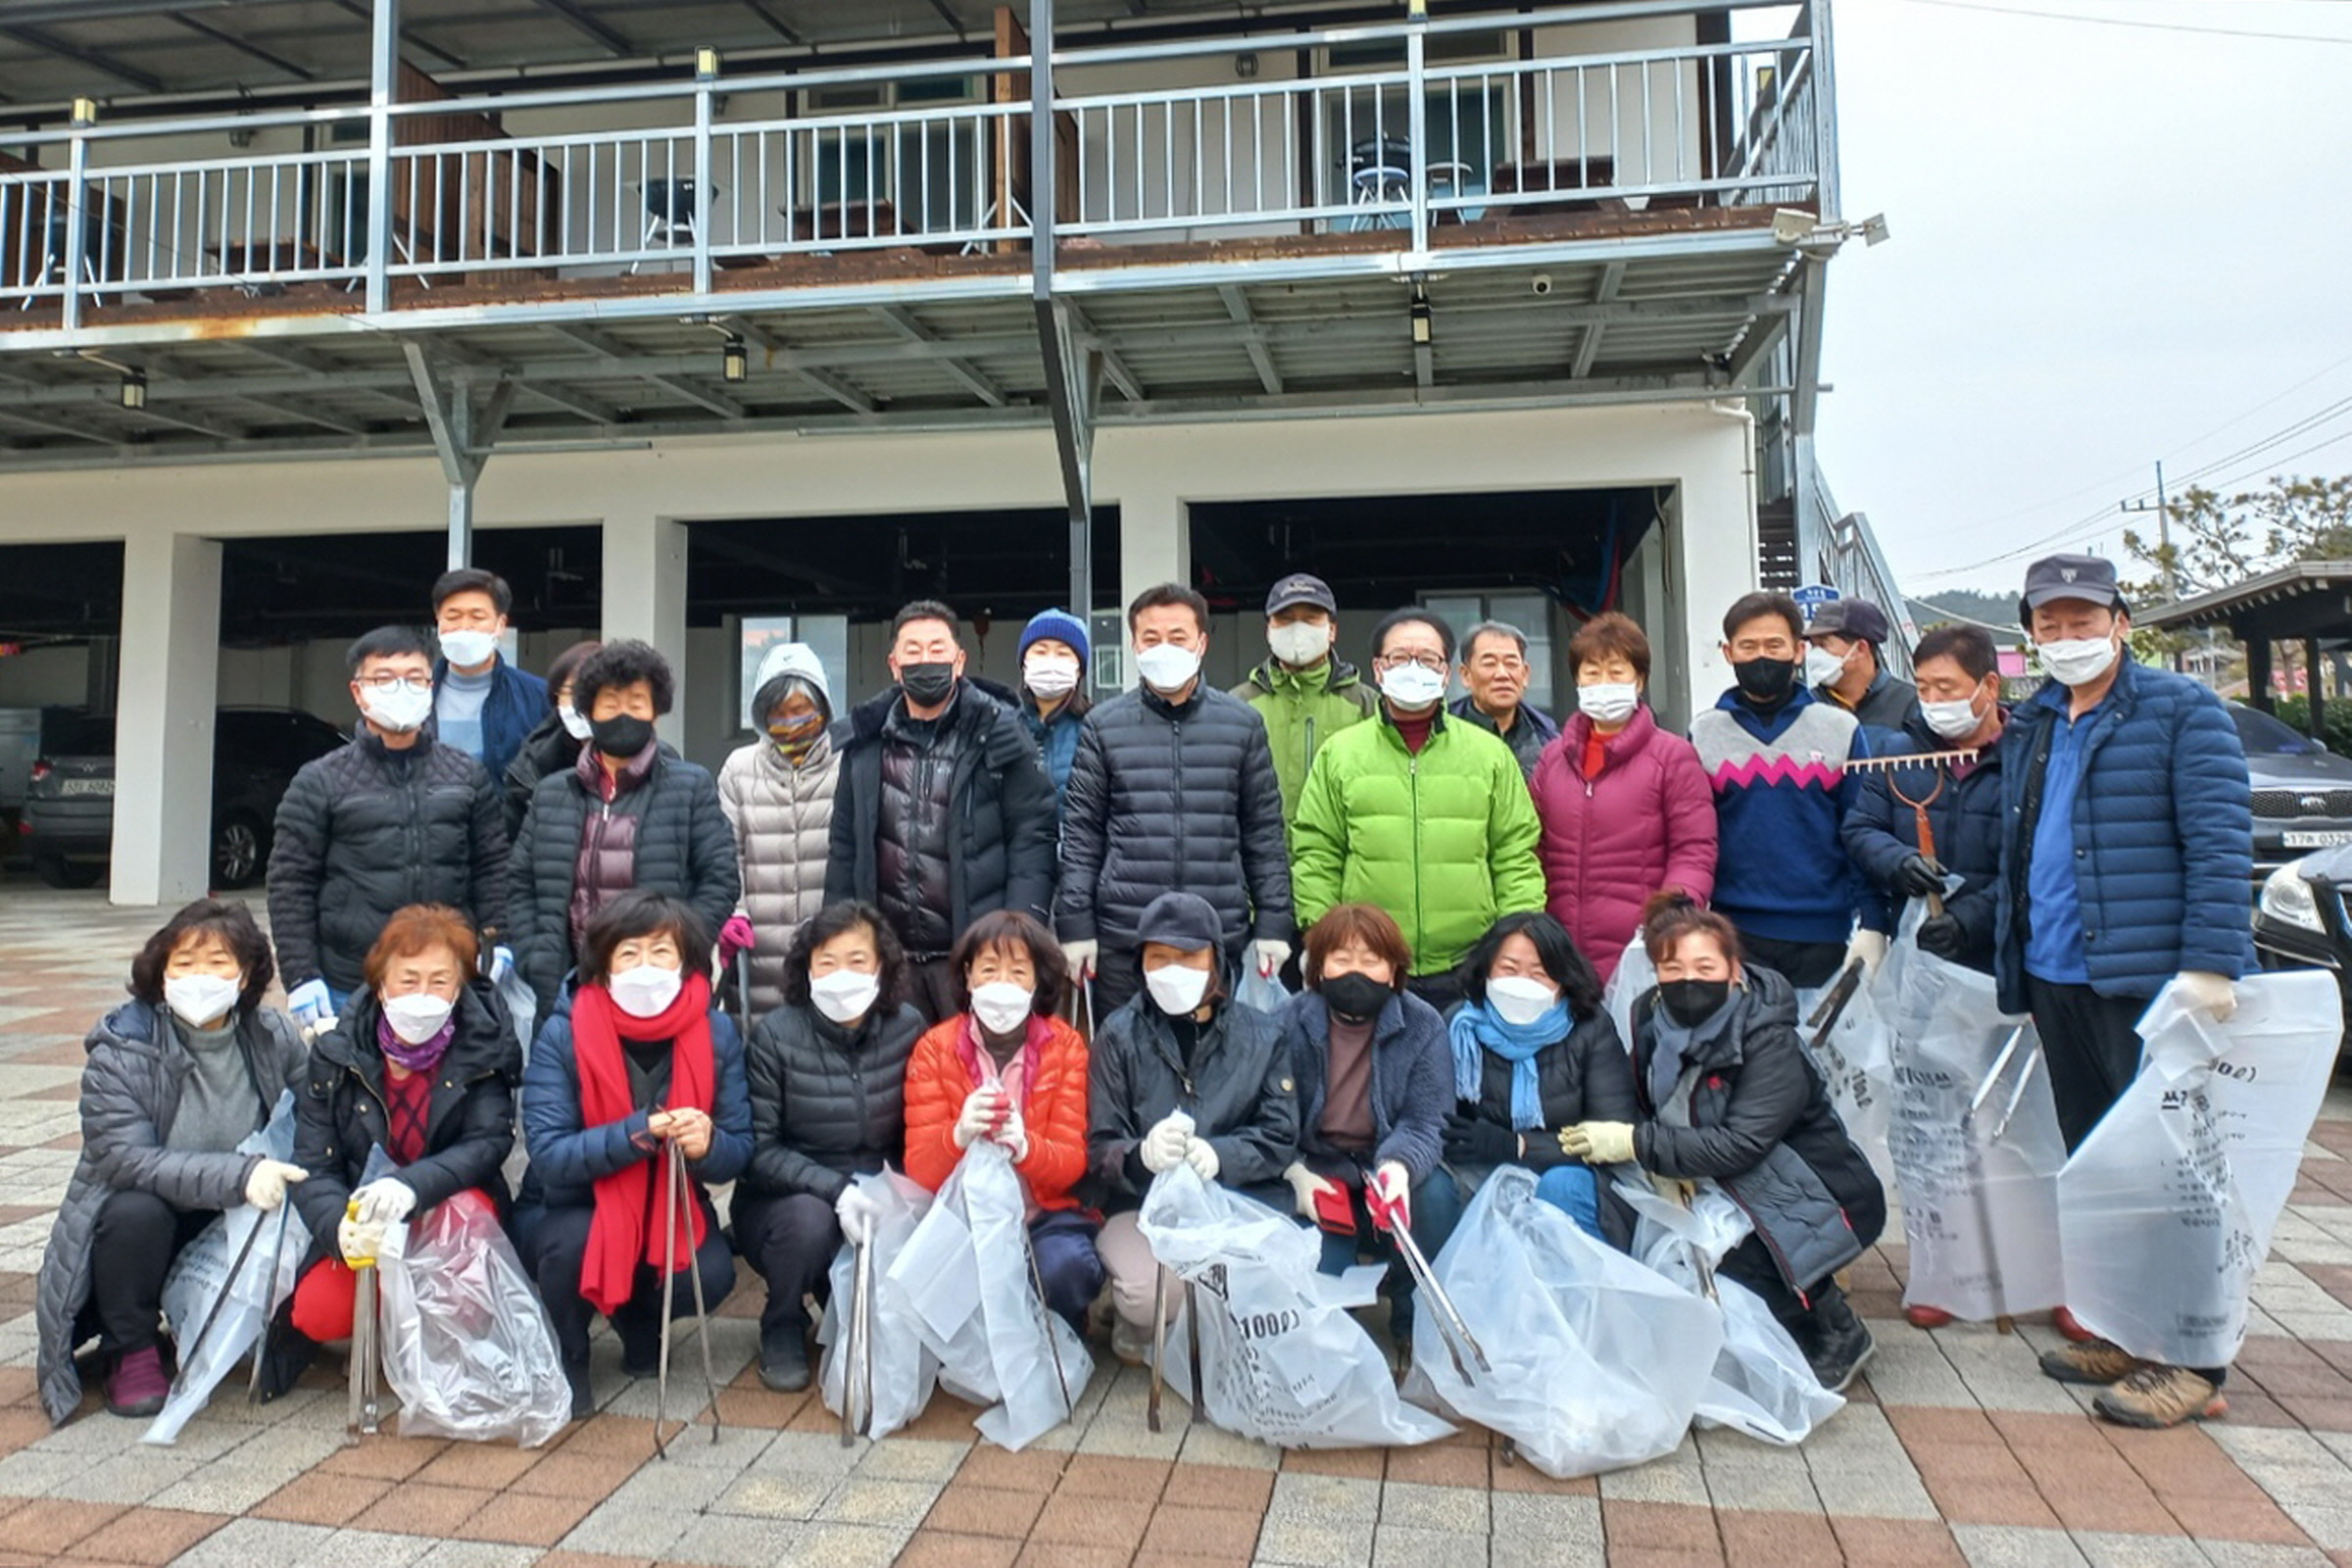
<point>1954,1452</point>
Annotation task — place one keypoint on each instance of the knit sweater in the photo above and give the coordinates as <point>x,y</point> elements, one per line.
<point>1782,792</point>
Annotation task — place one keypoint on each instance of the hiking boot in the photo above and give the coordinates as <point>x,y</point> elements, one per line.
<point>2158,1395</point>
<point>1840,1341</point>
<point>784,1360</point>
<point>583,1398</point>
<point>2093,1362</point>
<point>2065,1323</point>
<point>1131,1342</point>
<point>1926,1317</point>
<point>138,1387</point>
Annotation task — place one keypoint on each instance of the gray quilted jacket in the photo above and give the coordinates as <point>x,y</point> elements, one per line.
<point>131,1091</point>
<point>783,821</point>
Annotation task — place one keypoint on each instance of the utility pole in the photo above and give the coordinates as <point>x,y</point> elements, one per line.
<point>2164,545</point>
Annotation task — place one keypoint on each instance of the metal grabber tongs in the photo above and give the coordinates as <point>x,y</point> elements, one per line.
<point>1159,1345</point>
<point>228,1287</point>
<point>677,1194</point>
<point>1391,1216</point>
<point>858,1349</point>
<point>2006,1323</point>
<point>363,1416</point>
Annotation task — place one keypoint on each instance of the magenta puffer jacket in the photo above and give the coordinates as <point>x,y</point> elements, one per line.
<point>1646,822</point>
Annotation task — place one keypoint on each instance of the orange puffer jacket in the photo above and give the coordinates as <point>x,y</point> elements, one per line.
<point>1052,1108</point>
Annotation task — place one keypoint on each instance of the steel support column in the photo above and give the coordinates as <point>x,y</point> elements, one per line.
<point>1812,527</point>
<point>1069,378</point>
<point>462,439</point>
<point>383,87</point>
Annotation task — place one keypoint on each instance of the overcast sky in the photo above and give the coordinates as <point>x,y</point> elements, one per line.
<point>2108,241</point>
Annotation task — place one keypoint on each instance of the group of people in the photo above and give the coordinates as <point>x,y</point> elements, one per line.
<point>1066,927</point>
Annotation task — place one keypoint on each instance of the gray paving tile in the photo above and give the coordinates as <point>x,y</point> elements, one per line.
<point>2008,1547</point>
<point>1413,1506</point>
<point>738,1542</point>
<point>243,1543</point>
<point>1403,1546</point>
<point>624,1530</point>
<point>847,1546</point>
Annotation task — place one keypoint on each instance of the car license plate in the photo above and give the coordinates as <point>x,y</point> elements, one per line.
<point>2317,841</point>
<point>106,786</point>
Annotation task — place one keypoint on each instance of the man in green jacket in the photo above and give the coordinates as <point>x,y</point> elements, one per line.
<point>1302,691</point>
<point>1420,813</point>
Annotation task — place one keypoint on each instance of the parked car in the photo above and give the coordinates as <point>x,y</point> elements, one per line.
<point>2302,791</point>
<point>2303,919</point>
<point>69,825</point>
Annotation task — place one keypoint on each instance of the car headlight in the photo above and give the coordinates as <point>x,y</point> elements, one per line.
<point>2286,897</point>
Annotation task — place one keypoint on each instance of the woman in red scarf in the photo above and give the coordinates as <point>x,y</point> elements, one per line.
<point>634,1058</point>
<point>1007,1070</point>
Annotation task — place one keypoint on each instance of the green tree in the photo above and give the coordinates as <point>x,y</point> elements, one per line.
<point>2220,541</point>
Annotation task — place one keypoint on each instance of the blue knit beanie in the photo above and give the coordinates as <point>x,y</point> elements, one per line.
<point>1061,626</point>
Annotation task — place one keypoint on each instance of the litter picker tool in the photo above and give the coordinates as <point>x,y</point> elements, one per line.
<point>1460,1342</point>
<point>261,1346</point>
<point>675,1197</point>
<point>1037,1282</point>
<point>1160,1348</point>
<point>226,1286</point>
<point>2006,1323</point>
<point>362,1415</point>
<point>1833,1003</point>
<point>858,1350</point>
<point>1191,1344</point>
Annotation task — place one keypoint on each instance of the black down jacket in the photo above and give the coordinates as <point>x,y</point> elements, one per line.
<point>827,1103</point>
<point>683,847</point>
<point>1752,1111</point>
<point>1167,798</point>
<point>1237,1091</point>
<point>546,749</point>
<point>1963,815</point>
<point>368,830</point>
<point>1584,1077</point>
<point>1001,840</point>
<point>131,1091</point>
<point>341,1114</point>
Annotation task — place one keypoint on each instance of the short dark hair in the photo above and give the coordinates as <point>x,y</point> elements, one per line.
<point>831,921</point>
<point>473,580</point>
<point>1161,594</point>
<point>225,918</point>
<point>1555,949</point>
<point>1756,606</point>
<point>1003,928</point>
<point>565,666</point>
<point>922,610</point>
<point>1491,628</point>
<point>1363,924</point>
<point>643,912</point>
<point>1673,914</point>
<point>623,663</point>
<point>386,642</point>
<point>1969,646</point>
<point>1408,615</point>
<point>1606,634</point>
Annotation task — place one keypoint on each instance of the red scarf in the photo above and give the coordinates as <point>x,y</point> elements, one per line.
<point>621,1236</point>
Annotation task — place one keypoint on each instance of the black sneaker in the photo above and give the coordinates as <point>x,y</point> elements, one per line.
<point>784,1361</point>
<point>1840,1341</point>
<point>286,1354</point>
<point>640,1335</point>
<point>583,1399</point>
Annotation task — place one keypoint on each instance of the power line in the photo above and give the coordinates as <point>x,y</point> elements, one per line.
<point>2140,24</point>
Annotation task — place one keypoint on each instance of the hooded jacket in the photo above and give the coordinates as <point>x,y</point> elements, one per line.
<point>1412,1078</point>
<point>827,1103</point>
<point>1646,821</point>
<point>514,706</point>
<point>1964,815</point>
<point>1303,709</point>
<point>131,1091</point>
<point>366,830</point>
<point>1238,1089</point>
<point>782,814</point>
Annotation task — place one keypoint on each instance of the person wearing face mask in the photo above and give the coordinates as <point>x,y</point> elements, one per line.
<point>175,1079</point>
<point>1054,701</point>
<point>944,813</point>
<point>2127,849</point>
<point>1533,1052</point>
<point>1624,805</point>
<point>1173,790</point>
<point>630,814</point>
<point>1776,757</point>
<point>1842,665</point>
<point>390,819</point>
<point>828,1084</point>
<point>1304,691</point>
<point>1727,1093</point>
<point>1004,1069</point>
<point>1494,672</point>
<point>483,704</point>
<point>1373,1076</point>
<point>1421,813</point>
<point>636,1058</point>
<point>777,793</point>
<point>1180,1075</point>
<point>423,1065</point>
<point>554,745</point>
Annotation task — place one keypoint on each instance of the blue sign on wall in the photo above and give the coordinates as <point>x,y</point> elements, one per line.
<point>1812,596</point>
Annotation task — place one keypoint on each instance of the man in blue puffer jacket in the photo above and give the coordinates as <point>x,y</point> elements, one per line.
<point>2127,856</point>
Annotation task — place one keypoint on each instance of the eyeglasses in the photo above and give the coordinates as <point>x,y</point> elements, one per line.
<point>389,682</point>
<point>1427,660</point>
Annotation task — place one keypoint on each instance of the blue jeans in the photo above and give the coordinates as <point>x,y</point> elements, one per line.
<point>1573,1190</point>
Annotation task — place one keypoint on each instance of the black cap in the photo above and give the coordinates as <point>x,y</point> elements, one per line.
<point>1180,920</point>
<point>1855,619</point>
<point>1299,588</point>
<point>2091,578</point>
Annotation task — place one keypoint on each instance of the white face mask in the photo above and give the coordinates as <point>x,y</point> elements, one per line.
<point>845,995</point>
<point>1518,1000</point>
<point>1176,988</point>
<point>417,1018</point>
<point>401,709</point>
<point>2078,661</point>
<point>1954,722</point>
<point>1051,675</point>
<point>1823,667</point>
<point>645,990</point>
<point>196,999</point>
<point>465,648</point>
<point>1411,686</point>
<point>1166,667</point>
<point>1608,701</point>
<point>1003,1007</point>
<point>1299,643</point>
<point>575,724</point>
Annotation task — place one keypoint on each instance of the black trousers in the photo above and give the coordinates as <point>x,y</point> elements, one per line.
<point>1806,965</point>
<point>931,987</point>
<point>559,1244</point>
<point>131,1249</point>
<point>2092,1049</point>
<point>791,1241</point>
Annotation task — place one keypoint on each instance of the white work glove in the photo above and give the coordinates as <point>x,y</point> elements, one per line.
<point>1013,1136</point>
<point>1271,955</point>
<point>1202,1159</point>
<point>1391,1189</point>
<point>385,1202</point>
<point>1599,1143</point>
<point>313,1008</point>
<point>501,964</point>
<point>1304,1185</point>
<point>1869,950</point>
<point>1081,957</point>
<point>2205,992</point>
<point>856,1209</point>
<point>978,1116</point>
<point>266,1188</point>
<point>1162,1148</point>
<point>362,1241</point>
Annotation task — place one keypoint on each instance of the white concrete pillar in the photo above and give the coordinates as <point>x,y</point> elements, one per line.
<point>1156,543</point>
<point>645,597</point>
<point>163,718</point>
<point>1713,544</point>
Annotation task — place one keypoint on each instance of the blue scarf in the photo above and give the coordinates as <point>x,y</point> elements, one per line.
<point>1476,1027</point>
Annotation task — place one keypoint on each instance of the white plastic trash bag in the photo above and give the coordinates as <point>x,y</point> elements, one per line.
<point>1596,1362</point>
<point>2165,1209</point>
<point>967,1273</point>
<point>466,1344</point>
<point>904,1372</point>
<point>1281,1360</point>
<point>1262,992</point>
<point>1857,1059</point>
<point>522,1006</point>
<point>1634,976</point>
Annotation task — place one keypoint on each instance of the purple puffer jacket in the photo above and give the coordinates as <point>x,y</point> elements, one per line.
<point>1647,822</point>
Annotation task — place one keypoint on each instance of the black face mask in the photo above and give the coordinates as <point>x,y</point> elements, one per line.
<point>1766,681</point>
<point>929,684</point>
<point>1355,996</point>
<point>623,735</point>
<point>1691,1003</point>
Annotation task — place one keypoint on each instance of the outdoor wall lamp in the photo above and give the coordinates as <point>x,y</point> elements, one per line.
<point>1423,324</point>
<point>735,363</point>
<point>134,389</point>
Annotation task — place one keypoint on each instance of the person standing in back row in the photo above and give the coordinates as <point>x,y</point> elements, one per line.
<point>483,704</point>
<point>1846,664</point>
<point>1495,671</point>
<point>1304,691</point>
